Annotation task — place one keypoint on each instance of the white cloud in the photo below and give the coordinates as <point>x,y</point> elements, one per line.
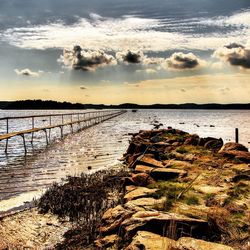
<point>28,72</point>
<point>129,32</point>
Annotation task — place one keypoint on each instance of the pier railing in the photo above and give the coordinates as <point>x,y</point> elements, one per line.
<point>82,119</point>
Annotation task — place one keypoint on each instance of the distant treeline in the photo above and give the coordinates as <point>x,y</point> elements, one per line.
<point>39,104</point>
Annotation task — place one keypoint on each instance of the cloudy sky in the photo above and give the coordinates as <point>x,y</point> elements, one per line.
<point>117,51</point>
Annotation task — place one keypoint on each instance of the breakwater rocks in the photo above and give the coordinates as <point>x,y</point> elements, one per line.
<point>182,192</point>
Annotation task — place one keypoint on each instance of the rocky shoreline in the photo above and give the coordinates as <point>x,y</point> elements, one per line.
<point>176,191</point>
<point>183,193</point>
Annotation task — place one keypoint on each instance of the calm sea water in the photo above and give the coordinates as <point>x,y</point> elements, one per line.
<point>22,178</point>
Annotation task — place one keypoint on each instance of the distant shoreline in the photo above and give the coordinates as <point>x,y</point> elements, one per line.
<point>44,105</point>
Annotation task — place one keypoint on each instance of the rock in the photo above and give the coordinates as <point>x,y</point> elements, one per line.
<point>177,164</point>
<point>233,146</point>
<point>203,141</point>
<point>156,139</point>
<point>214,144</point>
<point>109,241</point>
<point>239,155</point>
<point>149,161</point>
<point>142,179</point>
<point>143,169</point>
<point>161,173</point>
<point>157,222</point>
<point>207,189</point>
<point>147,202</point>
<point>187,243</point>
<point>139,192</point>
<point>242,176</point>
<point>150,241</point>
<point>193,211</point>
<point>113,218</point>
<point>192,140</point>
<point>167,173</point>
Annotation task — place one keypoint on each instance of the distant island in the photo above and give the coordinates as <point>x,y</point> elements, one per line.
<point>40,104</point>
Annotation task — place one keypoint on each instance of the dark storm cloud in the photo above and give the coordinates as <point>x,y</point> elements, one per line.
<point>86,60</point>
<point>235,54</point>
<point>179,60</point>
<point>136,57</point>
<point>130,56</point>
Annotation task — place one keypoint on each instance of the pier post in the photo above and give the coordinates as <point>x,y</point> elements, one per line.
<point>237,135</point>
<point>32,134</point>
<point>7,131</point>
<point>50,123</point>
<point>24,144</point>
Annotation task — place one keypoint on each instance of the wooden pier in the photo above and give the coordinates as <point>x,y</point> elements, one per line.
<point>82,120</point>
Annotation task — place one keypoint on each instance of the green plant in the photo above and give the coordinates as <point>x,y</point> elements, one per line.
<point>182,150</point>
<point>192,200</point>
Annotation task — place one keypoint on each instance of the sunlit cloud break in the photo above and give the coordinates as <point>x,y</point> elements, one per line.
<point>128,33</point>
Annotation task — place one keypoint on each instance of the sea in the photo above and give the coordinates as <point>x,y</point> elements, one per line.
<point>26,177</point>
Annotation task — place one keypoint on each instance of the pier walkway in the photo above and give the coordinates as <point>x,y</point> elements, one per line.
<point>82,120</point>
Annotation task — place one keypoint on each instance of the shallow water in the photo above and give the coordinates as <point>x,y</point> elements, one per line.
<point>100,146</point>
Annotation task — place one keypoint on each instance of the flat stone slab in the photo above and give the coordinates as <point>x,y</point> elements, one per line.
<point>156,222</point>
<point>147,202</point>
<point>146,160</point>
<point>207,189</point>
<point>161,173</point>
<point>138,192</point>
<point>187,243</point>
<point>150,241</point>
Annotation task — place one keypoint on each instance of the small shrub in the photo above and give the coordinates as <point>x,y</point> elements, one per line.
<point>182,150</point>
<point>192,200</point>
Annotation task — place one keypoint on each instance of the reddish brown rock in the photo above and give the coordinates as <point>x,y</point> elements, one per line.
<point>142,179</point>
<point>192,140</point>
<point>233,146</point>
<point>149,161</point>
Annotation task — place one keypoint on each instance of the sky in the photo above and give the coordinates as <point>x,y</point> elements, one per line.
<point>125,51</point>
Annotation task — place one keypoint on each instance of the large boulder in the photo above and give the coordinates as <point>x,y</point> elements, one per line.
<point>233,146</point>
<point>150,241</point>
<point>235,150</point>
<point>214,144</point>
<point>142,179</point>
<point>187,243</point>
